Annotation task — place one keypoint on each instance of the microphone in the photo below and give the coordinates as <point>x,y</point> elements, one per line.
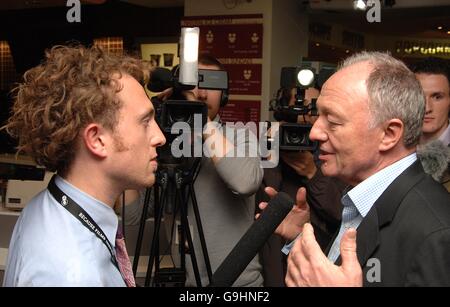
<point>252,241</point>
<point>162,79</point>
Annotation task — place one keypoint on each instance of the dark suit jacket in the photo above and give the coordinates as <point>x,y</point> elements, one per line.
<point>408,231</point>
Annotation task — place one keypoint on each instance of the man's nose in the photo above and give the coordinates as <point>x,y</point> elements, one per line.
<point>159,139</point>
<point>317,133</point>
<point>428,108</point>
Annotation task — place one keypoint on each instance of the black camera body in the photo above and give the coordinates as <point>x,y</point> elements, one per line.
<point>294,136</point>
<point>193,114</point>
<point>174,111</point>
<point>170,112</point>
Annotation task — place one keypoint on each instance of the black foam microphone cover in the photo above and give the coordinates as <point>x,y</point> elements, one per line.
<point>160,80</point>
<point>252,241</point>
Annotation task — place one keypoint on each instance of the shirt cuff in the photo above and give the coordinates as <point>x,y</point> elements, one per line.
<point>288,246</point>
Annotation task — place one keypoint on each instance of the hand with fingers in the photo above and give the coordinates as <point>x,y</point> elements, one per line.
<point>300,161</point>
<point>293,223</point>
<point>309,267</point>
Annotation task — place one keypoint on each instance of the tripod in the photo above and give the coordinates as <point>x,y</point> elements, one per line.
<point>183,181</point>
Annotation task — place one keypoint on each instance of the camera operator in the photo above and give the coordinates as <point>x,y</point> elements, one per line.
<point>301,169</point>
<point>324,193</point>
<point>224,188</point>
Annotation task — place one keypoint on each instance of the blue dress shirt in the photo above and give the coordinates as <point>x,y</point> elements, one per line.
<point>50,247</point>
<point>359,200</point>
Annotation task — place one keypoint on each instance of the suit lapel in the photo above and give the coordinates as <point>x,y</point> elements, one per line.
<point>383,211</point>
<point>368,236</point>
<point>367,239</point>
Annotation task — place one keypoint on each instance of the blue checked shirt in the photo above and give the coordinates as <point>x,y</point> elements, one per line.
<point>359,200</point>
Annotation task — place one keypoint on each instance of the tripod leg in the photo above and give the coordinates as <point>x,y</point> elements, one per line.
<point>154,251</point>
<point>201,234</point>
<point>185,225</point>
<point>137,251</point>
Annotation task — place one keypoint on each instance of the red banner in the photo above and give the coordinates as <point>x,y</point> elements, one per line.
<point>237,41</point>
<point>241,111</point>
<point>245,79</point>
<point>233,41</point>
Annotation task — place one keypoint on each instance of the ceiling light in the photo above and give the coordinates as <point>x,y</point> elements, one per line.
<point>359,5</point>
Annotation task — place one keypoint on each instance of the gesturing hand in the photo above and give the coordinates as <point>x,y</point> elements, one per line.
<point>293,223</point>
<point>308,266</point>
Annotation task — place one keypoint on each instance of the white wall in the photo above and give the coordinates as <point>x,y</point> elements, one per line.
<point>285,35</point>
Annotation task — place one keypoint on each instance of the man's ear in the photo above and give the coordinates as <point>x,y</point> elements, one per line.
<point>392,134</point>
<point>96,138</point>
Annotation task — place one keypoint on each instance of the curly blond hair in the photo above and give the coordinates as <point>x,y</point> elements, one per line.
<point>73,87</point>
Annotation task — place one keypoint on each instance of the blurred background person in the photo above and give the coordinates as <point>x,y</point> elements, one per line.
<point>434,152</point>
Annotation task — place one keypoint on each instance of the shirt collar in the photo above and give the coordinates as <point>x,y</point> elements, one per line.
<point>364,195</point>
<point>445,136</point>
<point>102,214</point>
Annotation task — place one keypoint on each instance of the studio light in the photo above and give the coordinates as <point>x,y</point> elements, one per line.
<point>189,56</point>
<point>305,77</point>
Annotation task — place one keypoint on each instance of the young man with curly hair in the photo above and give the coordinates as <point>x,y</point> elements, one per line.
<point>83,114</point>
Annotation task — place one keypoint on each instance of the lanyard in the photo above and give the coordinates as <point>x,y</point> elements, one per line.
<point>79,213</point>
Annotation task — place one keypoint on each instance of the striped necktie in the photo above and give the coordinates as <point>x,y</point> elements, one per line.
<point>123,260</point>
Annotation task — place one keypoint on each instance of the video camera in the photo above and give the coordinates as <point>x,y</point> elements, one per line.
<point>177,109</point>
<point>290,103</point>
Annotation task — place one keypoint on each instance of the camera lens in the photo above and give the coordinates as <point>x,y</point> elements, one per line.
<point>180,116</point>
<point>294,138</point>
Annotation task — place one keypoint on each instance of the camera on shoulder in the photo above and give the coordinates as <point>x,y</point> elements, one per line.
<point>291,104</point>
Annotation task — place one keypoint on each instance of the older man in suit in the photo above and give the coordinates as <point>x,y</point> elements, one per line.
<point>371,111</point>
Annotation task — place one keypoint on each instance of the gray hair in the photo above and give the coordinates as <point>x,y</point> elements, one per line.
<point>394,92</point>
